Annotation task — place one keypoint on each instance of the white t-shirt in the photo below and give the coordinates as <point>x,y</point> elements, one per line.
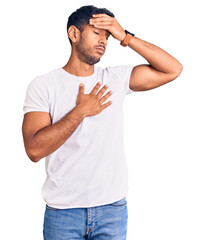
<point>90,168</point>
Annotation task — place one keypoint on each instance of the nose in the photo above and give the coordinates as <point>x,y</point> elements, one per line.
<point>103,40</point>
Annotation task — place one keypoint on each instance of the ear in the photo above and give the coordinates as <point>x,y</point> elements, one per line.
<point>73,33</point>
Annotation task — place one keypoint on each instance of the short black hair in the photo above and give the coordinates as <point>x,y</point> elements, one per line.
<point>80,18</point>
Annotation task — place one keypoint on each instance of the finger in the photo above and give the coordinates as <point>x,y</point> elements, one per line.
<point>95,89</point>
<point>99,21</point>
<point>106,104</point>
<point>104,98</point>
<point>101,92</point>
<point>81,88</point>
<point>102,27</point>
<point>105,26</point>
<point>99,15</point>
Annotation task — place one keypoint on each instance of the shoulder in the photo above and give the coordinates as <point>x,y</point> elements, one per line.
<point>52,74</point>
<point>120,71</point>
<point>44,79</point>
<point>119,68</point>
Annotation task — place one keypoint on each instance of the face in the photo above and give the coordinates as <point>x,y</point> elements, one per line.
<point>92,44</point>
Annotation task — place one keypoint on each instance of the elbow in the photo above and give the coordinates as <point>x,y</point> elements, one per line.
<point>33,156</point>
<point>33,151</point>
<point>179,69</point>
<point>175,74</point>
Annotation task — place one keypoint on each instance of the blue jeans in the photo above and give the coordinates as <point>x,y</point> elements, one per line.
<point>106,222</point>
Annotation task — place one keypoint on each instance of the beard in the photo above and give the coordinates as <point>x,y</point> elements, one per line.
<point>84,53</point>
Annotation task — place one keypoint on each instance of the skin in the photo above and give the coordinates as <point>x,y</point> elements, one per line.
<point>41,138</point>
<point>84,52</point>
<point>162,67</point>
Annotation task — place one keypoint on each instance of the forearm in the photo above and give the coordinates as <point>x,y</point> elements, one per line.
<point>157,57</point>
<point>50,138</point>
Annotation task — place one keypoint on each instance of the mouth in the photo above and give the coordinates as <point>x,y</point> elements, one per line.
<point>101,50</point>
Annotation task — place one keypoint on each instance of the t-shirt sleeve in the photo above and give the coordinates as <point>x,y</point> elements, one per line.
<point>124,73</point>
<point>36,96</point>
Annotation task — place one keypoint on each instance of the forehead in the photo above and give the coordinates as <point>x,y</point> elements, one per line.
<point>89,27</point>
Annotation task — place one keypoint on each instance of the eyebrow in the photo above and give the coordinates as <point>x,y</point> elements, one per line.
<point>107,33</point>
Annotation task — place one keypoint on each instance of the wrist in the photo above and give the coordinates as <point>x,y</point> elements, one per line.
<point>127,38</point>
<point>79,110</point>
<point>123,36</point>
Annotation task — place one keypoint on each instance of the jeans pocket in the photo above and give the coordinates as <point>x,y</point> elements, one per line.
<point>120,202</point>
<point>51,208</point>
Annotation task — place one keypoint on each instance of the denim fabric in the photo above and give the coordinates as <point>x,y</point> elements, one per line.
<point>106,222</point>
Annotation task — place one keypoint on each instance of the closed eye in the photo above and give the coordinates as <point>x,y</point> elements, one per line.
<point>99,33</point>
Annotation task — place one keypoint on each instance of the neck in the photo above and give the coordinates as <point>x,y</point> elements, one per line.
<point>77,67</point>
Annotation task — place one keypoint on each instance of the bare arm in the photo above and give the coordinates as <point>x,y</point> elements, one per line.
<point>42,142</point>
<point>162,67</point>
<point>41,138</point>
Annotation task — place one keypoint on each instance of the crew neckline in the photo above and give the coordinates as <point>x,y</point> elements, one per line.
<point>79,77</point>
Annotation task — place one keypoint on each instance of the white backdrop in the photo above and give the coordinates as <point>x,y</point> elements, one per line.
<point>164,127</point>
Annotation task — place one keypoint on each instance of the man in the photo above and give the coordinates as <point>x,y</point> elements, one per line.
<point>74,118</point>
